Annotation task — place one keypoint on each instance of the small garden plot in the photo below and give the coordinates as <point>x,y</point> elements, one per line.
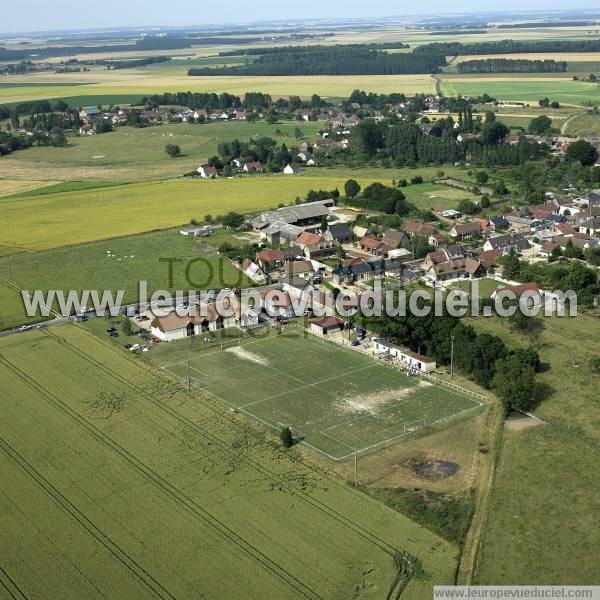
<point>336,400</point>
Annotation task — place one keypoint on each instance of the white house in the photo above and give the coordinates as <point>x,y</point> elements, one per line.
<point>409,360</point>
<point>292,168</point>
<point>207,172</point>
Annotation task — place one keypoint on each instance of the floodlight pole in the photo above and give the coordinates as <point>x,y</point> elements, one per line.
<point>451,356</point>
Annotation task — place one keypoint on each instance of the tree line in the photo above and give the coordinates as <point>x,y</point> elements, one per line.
<point>508,47</point>
<point>505,65</point>
<point>333,60</point>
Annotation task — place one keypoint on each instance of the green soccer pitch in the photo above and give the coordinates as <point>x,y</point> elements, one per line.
<point>335,400</point>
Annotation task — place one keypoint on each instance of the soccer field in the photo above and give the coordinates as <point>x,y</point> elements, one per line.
<point>336,400</point>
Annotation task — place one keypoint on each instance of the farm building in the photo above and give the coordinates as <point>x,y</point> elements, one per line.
<point>301,215</point>
<point>408,359</point>
<point>326,325</point>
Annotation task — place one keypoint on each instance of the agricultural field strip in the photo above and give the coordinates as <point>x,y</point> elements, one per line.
<point>198,511</point>
<point>209,435</point>
<point>145,577</point>
<point>244,407</point>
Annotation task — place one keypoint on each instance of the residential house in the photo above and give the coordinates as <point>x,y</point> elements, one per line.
<point>255,167</point>
<point>463,230</point>
<point>299,268</point>
<point>321,250</point>
<point>270,259</point>
<point>292,168</point>
<point>253,271</point>
<point>455,269</point>
<point>589,226</point>
<point>505,243</point>
<point>339,233</point>
<point>204,319</point>
<point>207,171</point>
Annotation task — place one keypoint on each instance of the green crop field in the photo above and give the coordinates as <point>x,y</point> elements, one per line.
<point>131,154</point>
<point>118,484</point>
<point>12,311</point>
<point>335,400</point>
<point>524,89</point>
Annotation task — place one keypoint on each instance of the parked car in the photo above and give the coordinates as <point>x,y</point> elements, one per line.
<point>110,330</point>
<point>113,334</point>
<point>355,343</point>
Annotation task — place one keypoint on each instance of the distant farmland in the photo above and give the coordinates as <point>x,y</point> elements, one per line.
<point>119,485</point>
<point>523,88</point>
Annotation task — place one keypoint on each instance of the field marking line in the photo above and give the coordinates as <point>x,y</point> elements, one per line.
<point>408,433</point>
<point>322,432</point>
<point>307,385</point>
<point>269,425</point>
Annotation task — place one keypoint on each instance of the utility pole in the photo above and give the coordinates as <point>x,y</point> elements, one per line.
<point>451,356</point>
<point>188,376</point>
<point>355,455</point>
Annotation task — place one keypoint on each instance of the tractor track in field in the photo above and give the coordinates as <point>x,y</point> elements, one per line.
<point>11,586</point>
<point>163,485</point>
<point>207,433</point>
<point>369,536</point>
<point>83,521</point>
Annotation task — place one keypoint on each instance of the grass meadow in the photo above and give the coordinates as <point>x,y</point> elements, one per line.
<point>587,123</point>
<point>336,400</point>
<point>119,264</point>
<point>546,473</point>
<point>120,484</point>
<point>131,154</point>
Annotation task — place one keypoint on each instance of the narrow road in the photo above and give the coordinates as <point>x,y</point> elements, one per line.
<point>563,129</point>
<point>486,472</point>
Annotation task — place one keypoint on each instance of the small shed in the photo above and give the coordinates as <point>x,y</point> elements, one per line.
<point>326,325</point>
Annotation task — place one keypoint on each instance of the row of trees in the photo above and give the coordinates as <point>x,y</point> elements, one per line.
<point>505,65</point>
<point>508,47</point>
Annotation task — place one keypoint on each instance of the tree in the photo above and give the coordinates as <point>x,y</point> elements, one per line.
<point>541,125</point>
<point>416,180</point>
<point>126,328</point>
<point>58,138</point>
<point>468,207</point>
<point>352,188</point>
<point>544,102</point>
<point>514,383</point>
<point>102,126</point>
<point>482,177</point>
<point>233,220</point>
<point>511,265</point>
<point>286,437</point>
<point>485,201</point>
<point>173,150</point>
<point>583,152</point>
<point>500,188</point>
<point>493,133</point>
